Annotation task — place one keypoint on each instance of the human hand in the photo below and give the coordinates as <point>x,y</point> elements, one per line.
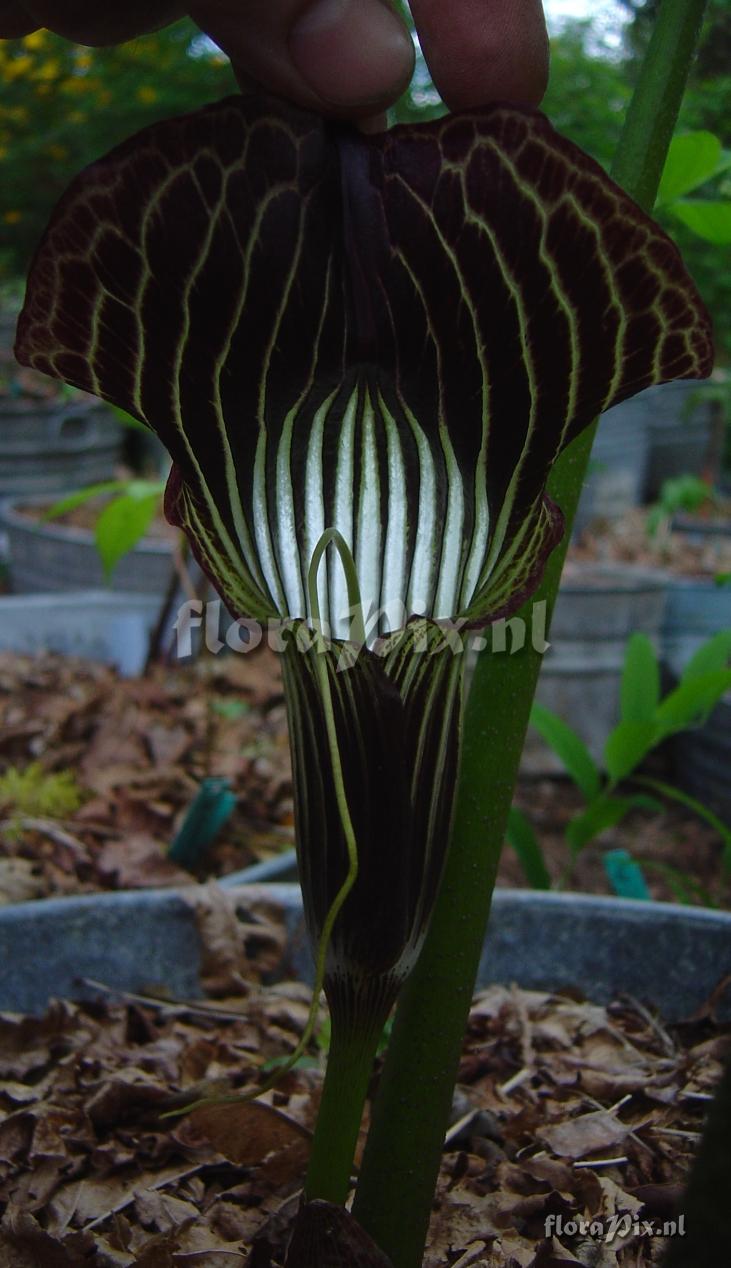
<point>351,58</point>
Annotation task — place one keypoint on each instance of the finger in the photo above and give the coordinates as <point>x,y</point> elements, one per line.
<point>484,50</point>
<point>345,57</point>
<point>89,22</point>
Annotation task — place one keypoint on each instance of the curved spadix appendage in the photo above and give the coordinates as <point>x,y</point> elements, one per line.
<point>394,336</point>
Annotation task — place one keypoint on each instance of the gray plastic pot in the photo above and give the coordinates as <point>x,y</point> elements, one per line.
<point>669,957</point>
<point>618,466</point>
<point>696,610</point>
<point>680,433</point>
<point>45,556</point>
<point>98,625</point>
<point>52,448</point>
<point>598,607</point>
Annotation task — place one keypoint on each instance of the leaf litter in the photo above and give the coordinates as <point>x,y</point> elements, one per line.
<point>137,749</point>
<point>563,1109</point>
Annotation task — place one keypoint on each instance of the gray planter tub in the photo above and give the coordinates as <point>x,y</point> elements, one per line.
<point>52,448</point>
<point>670,957</point>
<point>598,607</point>
<point>45,556</point>
<point>696,610</point>
<point>619,457</point>
<point>680,433</point>
<point>98,625</point>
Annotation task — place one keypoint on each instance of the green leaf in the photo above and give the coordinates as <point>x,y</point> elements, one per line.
<point>626,746</point>
<point>711,657</point>
<point>625,875</point>
<point>121,525</point>
<point>569,747</point>
<point>80,496</point>
<point>605,812</point>
<point>690,703</point>
<point>640,689</point>
<point>709,220</point>
<point>693,158</point>
<point>524,841</point>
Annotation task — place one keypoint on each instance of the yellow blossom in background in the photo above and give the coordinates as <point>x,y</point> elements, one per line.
<point>35,40</point>
<point>83,60</point>
<point>12,217</point>
<point>18,66</point>
<point>3,152</point>
<point>48,70</point>
<point>76,116</point>
<point>146,94</point>
<point>43,90</point>
<point>75,85</point>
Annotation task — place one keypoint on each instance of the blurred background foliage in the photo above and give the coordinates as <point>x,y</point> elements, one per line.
<point>62,105</point>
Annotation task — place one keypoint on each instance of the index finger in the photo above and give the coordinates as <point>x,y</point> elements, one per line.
<point>480,51</point>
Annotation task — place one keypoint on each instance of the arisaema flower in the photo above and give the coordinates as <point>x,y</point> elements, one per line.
<point>393,337</point>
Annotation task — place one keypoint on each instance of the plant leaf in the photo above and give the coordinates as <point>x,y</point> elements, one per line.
<point>604,812</point>
<point>121,525</point>
<point>569,746</point>
<point>709,220</point>
<point>626,746</point>
<point>711,657</point>
<point>80,496</point>
<point>640,687</point>
<point>692,159</point>
<point>690,703</point>
<point>524,841</point>
<point>392,335</point>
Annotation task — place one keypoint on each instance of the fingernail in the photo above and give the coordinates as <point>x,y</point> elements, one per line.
<point>351,52</point>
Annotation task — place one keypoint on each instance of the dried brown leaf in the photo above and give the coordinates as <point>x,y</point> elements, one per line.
<point>327,1236</point>
<point>249,1132</point>
<point>577,1137</point>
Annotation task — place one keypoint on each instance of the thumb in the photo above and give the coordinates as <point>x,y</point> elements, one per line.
<point>344,57</point>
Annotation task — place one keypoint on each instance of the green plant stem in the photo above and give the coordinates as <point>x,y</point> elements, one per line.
<point>349,1068</point>
<point>401,1161</point>
<point>652,113</point>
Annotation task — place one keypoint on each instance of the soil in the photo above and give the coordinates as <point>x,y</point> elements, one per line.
<point>563,1108</point>
<point>628,541</point>
<point>137,750</point>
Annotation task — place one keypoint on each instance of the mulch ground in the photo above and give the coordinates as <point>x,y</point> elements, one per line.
<point>137,749</point>
<point>563,1108</point>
